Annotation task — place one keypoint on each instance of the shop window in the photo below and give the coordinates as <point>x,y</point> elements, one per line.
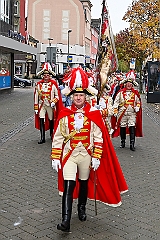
<point>18,69</point>
<point>5,78</point>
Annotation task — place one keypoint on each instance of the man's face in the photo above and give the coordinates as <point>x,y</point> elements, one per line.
<point>79,99</point>
<point>46,76</point>
<point>129,85</point>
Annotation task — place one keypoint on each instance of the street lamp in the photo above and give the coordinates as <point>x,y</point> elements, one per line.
<point>50,39</point>
<point>69,31</point>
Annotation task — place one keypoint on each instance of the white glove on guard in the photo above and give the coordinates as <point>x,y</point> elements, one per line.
<point>136,109</point>
<point>52,104</point>
<point>95,163</point>
<point>56,164</point>
<point>97,106</point>
<point>102,103</point>
<point>36,111</point>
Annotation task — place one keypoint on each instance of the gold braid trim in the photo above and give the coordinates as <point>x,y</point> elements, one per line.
<point>97,150</point>
<point>66,137</point>
<point>96,155</point>
<point>71,135</point>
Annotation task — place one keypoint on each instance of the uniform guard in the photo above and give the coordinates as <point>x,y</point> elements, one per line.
<point>83,155</point>
<point>47,98</point>
<point>128,110</point>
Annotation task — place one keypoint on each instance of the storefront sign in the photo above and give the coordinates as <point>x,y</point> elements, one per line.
<point>5,82</point>
<point>132,63</point>
<point>16,36</point>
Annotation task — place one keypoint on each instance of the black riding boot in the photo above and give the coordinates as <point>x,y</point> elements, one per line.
<point>42,130</point>
<point>51,128</point>
<point>67,200</point>
<point>123,136</point>
<point>132,137</point>
<point>82,199</point>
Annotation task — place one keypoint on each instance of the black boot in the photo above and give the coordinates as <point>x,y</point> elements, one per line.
<point>123,136</point>
<point>51,128</point>
<point>67,200</point>
<point>42,130</point>
<point>132,138</point>
<point>82,199</point>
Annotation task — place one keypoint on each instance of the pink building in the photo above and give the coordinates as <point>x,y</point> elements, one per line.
<point>94,44</point>
<point>49,22</point>
<point>53,19</point>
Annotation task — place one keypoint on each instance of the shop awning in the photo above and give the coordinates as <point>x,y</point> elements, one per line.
<point>11,45</point>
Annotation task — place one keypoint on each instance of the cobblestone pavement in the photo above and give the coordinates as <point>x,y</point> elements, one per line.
<point>30,205</point>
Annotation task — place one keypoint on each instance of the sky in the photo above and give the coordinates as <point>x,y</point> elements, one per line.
<point>117,9</point>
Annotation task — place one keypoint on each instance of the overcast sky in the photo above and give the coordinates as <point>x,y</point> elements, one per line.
<point>117,9</point>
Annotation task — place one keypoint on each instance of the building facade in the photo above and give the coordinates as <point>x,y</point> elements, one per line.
<point>95,31</point>
<point>11,42</point>
<point>6,58</point>
<point>24,64</point>
<point>64,25</point>
<point>94,45</point>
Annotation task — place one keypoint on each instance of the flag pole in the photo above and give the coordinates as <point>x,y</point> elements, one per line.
<point>98,82</point>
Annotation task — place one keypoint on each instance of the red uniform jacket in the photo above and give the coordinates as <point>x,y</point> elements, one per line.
<point>59,107</point>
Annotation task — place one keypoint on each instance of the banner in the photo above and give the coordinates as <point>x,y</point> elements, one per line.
<point>106,56</point>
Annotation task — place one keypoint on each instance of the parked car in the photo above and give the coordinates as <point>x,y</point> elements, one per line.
<point>20,82</point>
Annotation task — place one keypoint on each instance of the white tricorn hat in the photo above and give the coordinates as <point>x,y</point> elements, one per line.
<point>130,77</point>
<point>46,68</point>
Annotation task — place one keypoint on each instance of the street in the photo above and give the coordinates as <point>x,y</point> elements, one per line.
<point>30,204</point>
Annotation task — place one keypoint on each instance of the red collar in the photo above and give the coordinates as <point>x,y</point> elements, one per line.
<point>86,107</point>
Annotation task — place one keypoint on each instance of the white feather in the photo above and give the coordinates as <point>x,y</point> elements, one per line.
<point>78,80</point>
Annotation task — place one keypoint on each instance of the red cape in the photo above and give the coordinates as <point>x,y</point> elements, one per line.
<point>138,125</point>
<point>110,181</point>
<point>59,107</point>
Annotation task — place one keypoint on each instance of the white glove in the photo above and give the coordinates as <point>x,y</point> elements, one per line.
<point>97,106</point>
<point>52,104</point>
<point>102,103</point>
<point>56,164</point>
<point>36,111</point>
<point>111,131</point>
<point>95,163</point>
<point>136,109</point>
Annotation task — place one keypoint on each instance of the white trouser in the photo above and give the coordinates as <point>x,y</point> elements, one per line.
<point>128,119</point>
<point>47,109</point>
<point>78,163</point>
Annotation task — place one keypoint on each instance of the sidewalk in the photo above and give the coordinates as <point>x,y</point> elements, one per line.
<point>30,205</point>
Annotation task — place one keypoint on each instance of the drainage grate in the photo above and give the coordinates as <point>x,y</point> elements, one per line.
<point>8,135</point>
<point>151,114</point>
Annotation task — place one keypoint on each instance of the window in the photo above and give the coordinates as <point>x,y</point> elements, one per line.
<point>5,10</point>
<point>16,28</point>
<point>16,9</point>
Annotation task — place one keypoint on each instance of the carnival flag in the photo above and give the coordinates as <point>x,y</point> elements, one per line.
<point>106,57</point>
